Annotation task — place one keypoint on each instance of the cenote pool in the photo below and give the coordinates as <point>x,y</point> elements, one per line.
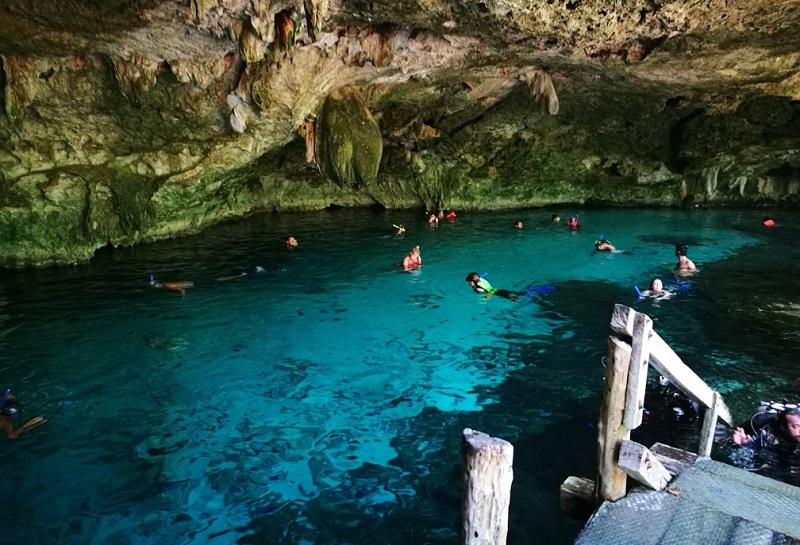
<point>321,399</point>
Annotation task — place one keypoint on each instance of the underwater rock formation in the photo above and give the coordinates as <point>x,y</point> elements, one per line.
<point>116,127</point>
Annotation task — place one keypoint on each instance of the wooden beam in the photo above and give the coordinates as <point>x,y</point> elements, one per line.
<point>642,465</point>
<point>709,427</point>
<point>637,372</point>
<point>577,497</point>
<point>611,480</point>
<point>488,474</point>
<point>675,460</point>
<point>667,362</point>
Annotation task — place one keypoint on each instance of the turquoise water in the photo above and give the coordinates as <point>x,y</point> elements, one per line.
<point>322,399</point>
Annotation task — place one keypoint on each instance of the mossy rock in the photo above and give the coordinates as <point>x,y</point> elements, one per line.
<point>349,140</point>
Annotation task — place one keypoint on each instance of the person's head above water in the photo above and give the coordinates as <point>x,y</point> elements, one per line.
<point>555,218</point>
<point>473,277</point>
<point>8,405</point>
<point>681,249</point>
<point>789,422</point>
<point>656,285</point>
<point>518,224</point>
<point>291,241</point>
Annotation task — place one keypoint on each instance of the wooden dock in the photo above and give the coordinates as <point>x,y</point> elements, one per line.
<point>680,498</point>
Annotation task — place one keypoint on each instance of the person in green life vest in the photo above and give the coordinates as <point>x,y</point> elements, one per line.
<point>481,285</point>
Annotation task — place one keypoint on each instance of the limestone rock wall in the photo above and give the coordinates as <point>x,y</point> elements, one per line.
<point>136,120</point>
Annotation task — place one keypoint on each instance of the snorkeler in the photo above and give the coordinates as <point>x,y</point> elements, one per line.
<point>399,229</point>
<point>413,260</point>
<point>291,242</point>
<point>603,245</point>
<point>574,222</point>
<point>684,263</point>
<point>180,287</point>
<point>9,409</point>
<point>481,285</point>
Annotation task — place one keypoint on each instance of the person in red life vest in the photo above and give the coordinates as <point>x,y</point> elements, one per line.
<point>768,222</point>
<point>413,260</point>
<point>574,222</point>
<point>451,215</point>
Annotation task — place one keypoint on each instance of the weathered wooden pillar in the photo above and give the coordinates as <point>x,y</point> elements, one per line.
<point>611,480</point>
<point>488,474</point>
<point>709,426</point>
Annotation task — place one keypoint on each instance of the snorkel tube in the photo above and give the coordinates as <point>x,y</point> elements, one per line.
<point>5,397</point>
<point>638,292</point>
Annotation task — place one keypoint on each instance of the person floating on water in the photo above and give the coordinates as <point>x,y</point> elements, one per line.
<point>481,285</point>
<point>432,219</point>
<point>413,260</point>
<point>9,409</point>
<point>451,215</point>
<point>574,222</point>
<point>291,242</point>
<point>399,229</point>
<point>656,290</point>
<point>180,287</point>
<point>603,245</point>
<point>440,214</point>
<point>684,265</point>
<point>768,222</point>
<point>555,218</point>
<point>518,225</point>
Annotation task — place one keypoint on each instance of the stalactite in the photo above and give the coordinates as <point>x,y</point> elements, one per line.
<point>311,139</point>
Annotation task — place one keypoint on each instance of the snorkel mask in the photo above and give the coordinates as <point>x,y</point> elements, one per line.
<point>9,407</point>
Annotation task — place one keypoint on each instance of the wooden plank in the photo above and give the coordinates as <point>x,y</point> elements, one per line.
<point>642,465</point>
<point>611,480</point>
<point>488,474</point>
<point>667,362</point>
<point>577,497</point>
<point>675,460</point>
<point>709,427</point>
<point>637,372</point>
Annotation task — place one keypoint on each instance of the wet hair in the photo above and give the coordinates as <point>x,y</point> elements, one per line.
<point>681,248</point>
<point>473,277</point>
<point>782,417</point>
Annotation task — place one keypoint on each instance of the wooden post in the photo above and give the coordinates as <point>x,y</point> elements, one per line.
<point>610,430</point>
<point>488,474</point>
<point>642,465</point>
<point>637,372</point>
<point>709,427</point>
<point>577,497</point>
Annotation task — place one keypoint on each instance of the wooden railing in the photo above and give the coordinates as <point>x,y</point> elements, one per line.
<point>631,350</point>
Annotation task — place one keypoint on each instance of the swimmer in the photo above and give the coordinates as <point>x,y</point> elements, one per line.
<point>433,219</point>
<point>400,229</point>
<point>440,214</point>
<point>9,409</point>
<point>788,429</point>
<point>413,260</point>
<point>603,245</point>
<point>291,242</point>
<point>451,215</point>
<point>555,218</point>
<point>518,225</point>
<point>657,290</point>
<point>574,222</point>
<point>481,285</point>
<point>768,222</point>
<point>684,265</point>
<point>180,287</point>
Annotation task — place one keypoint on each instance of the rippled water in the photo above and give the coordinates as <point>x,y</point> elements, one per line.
<point>322,399</point>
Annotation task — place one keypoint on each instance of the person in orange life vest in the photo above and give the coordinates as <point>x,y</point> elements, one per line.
<point>413,260</point>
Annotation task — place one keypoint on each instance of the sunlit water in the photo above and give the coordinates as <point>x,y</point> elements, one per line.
<point>322,400</point>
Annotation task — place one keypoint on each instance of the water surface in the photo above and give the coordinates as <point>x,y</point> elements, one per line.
<point>322,399</point>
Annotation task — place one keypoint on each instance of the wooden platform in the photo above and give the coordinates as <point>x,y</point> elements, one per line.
<point>709,503</point>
